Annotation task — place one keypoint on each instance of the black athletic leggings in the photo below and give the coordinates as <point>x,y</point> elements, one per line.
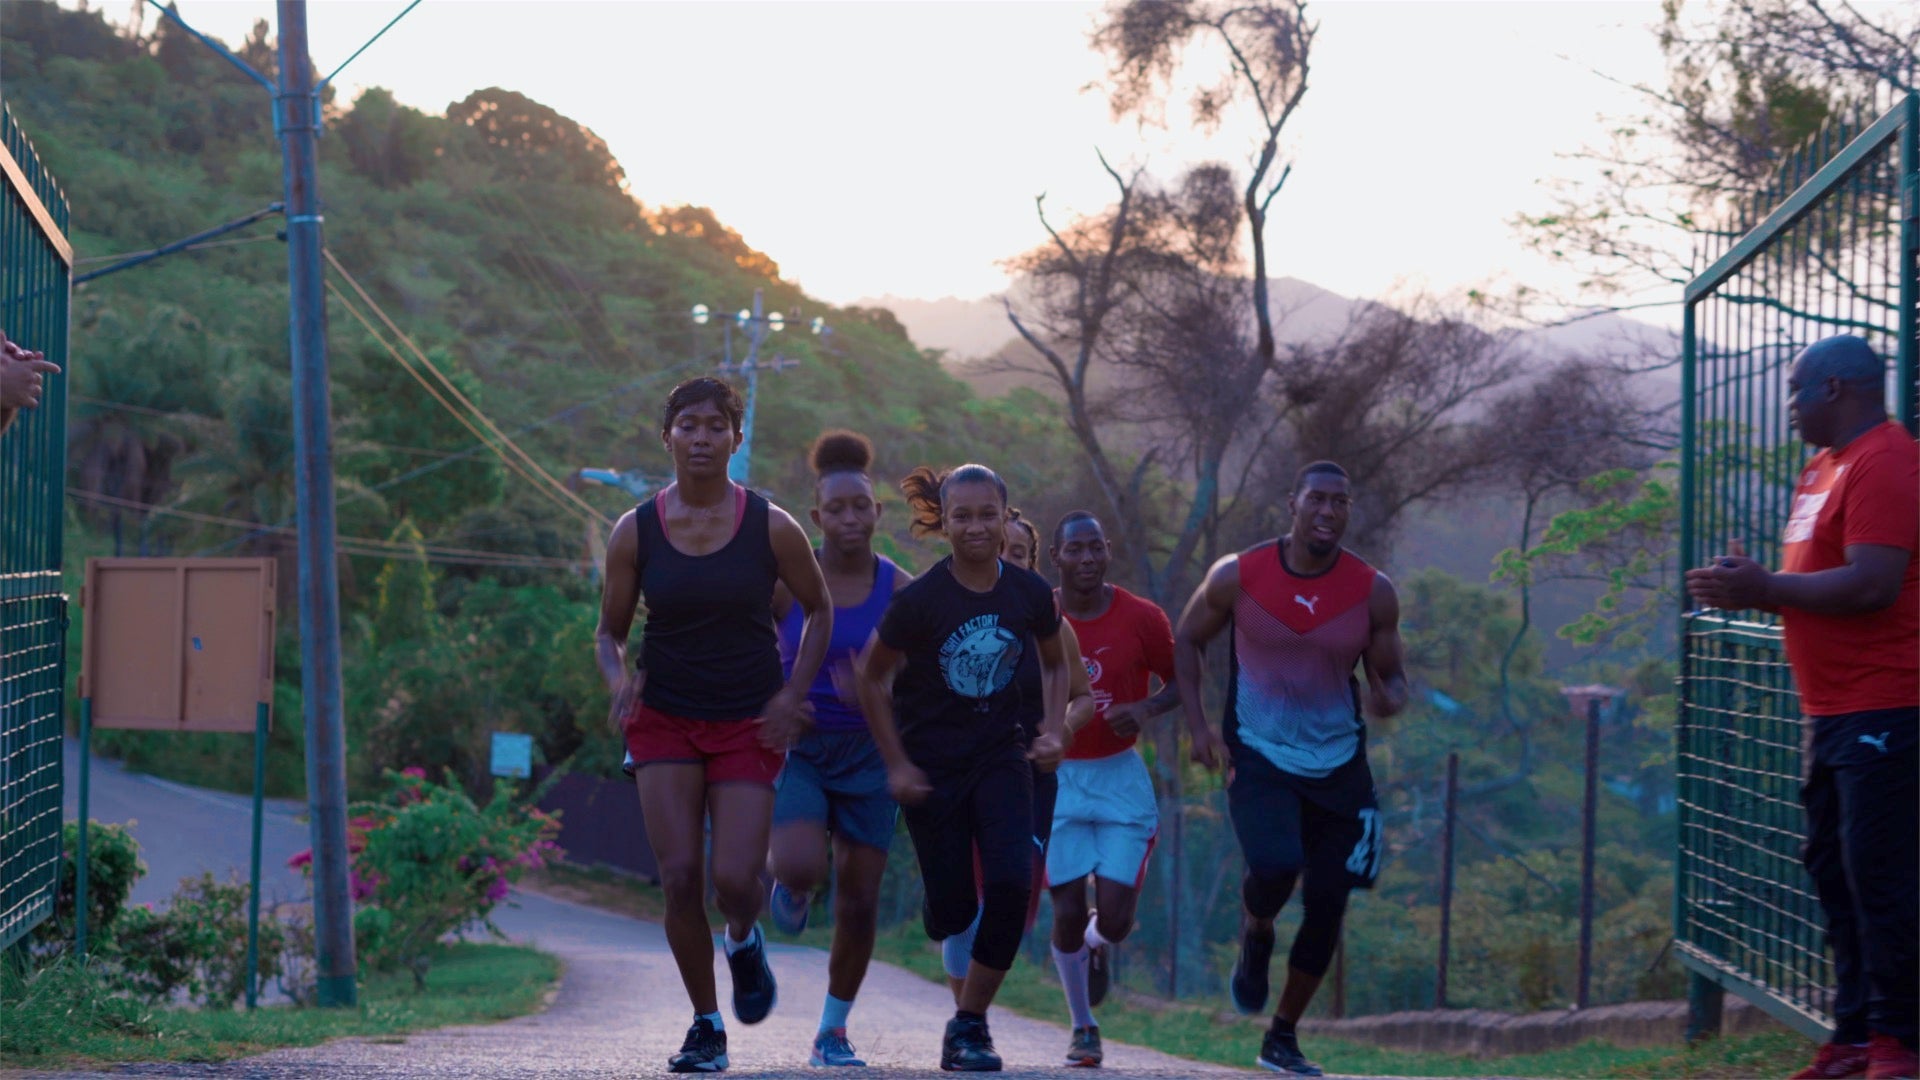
<point>990,807</point>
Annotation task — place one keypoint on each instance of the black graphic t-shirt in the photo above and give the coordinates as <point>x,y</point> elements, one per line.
<point>956,698</point>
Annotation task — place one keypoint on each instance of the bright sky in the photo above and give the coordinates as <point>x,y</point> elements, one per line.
<point>895,148</point>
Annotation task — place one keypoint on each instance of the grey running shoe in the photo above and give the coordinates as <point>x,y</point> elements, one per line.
<point>1099,976</point>
<point>754,991</point>
<point>831,1048</point>
<point>704,1051</point>
<point>788,909</point>
<point>1085,1048</point>
<point>1280,1051</point>
<point>1249,985</point>
<point>968,1047</point>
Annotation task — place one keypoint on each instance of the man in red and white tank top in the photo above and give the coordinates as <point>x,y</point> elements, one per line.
<point>1105,816</point>
<point>1304,613</point>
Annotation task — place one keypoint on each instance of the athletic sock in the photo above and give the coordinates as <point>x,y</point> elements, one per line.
<point>1093,938</point>
<point>1281,1027</point>
<point>732,946</point>
<point>834,1013</point>
<point>712,1018</point>
<point>957,951</point>
<point>1072,967</point>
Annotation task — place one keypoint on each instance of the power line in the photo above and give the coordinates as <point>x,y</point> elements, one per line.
<point>197,418</point>
<point>371,547</point>
<point>526,466</point>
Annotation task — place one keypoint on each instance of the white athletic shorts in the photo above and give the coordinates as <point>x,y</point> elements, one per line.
<point>1104,820</point>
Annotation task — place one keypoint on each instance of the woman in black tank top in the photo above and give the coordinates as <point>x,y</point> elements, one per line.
<point>706,716</point>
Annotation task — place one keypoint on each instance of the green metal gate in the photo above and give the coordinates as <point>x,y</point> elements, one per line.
<point>35,266</point>
<point>1830,249</point>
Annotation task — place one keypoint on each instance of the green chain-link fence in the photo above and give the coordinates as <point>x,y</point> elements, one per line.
<point>35,267</point>
<point>1830,249</point>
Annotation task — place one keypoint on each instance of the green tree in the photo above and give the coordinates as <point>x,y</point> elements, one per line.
<point>1748,81</point>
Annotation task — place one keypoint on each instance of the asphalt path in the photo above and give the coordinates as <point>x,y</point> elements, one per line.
<point>619,1009</point>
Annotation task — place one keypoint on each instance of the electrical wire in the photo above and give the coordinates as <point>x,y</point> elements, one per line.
<point>499,443</point>
<point>371,547</point>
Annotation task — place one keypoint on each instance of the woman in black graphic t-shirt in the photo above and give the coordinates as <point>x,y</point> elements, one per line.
<point>707,715</point>
<point>950,730</point>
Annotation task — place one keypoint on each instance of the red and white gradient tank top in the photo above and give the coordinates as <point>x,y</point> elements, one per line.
<point>1293,696</point>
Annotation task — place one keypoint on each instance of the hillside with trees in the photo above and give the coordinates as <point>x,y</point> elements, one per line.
<point>500,246</point>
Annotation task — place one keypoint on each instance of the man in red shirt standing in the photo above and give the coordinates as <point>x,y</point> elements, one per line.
<point>1848,594</point>
<point>1106,815</point>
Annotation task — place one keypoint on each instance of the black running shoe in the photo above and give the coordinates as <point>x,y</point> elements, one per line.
<point>704,1051</point>
<point>754,991</point>
<point>1249,985</point>
<point>1280,1051</point>
<point>1085,1050</point>
<point>1099,976</point>
<point>968,1047</point>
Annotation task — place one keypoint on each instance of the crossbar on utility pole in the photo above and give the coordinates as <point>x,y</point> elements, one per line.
<point>313,484</point>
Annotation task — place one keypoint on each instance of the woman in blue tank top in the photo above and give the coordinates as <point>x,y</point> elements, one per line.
<point>708,714</point>
<point>835,781</point>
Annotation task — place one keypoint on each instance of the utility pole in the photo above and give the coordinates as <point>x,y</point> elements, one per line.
<point>298,116</point>
<point>1592,698</point>
<point>758,324</point>
<point>1446,881</point>
<point>1586,851</point>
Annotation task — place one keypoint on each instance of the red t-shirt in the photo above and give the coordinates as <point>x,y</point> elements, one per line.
<point>1132,640</point>
<point>1867,493</point>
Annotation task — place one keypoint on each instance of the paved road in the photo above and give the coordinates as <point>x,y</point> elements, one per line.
<point>186,830</point>
<point>619,1010</point>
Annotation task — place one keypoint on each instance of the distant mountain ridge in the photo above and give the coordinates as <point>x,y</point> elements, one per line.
<point>972,330</point>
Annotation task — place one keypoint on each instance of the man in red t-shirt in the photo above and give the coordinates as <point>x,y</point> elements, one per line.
<point>1105,817</point>
<point>1848,595</point>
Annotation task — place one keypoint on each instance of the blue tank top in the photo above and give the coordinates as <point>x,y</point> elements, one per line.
<point>852,626</point>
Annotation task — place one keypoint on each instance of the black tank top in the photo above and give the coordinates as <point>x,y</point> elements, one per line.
<point>709,647</point>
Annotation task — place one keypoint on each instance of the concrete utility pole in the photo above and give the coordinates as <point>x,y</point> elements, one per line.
<point>297,115</point>
<point>758,325</point>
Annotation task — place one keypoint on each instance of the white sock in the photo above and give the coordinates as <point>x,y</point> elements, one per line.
<point>732,946</point>
<point>834,1013</point>
<point>712,1018</point>
<point>1072,967</point>
<point>1093,938</point>
<point>957,951</point>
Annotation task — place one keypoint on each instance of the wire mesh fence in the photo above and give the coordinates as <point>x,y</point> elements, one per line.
<point>1829,249</point>
<point>35,267</point>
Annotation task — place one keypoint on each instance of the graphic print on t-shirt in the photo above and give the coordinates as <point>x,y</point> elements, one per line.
<point>978,659</point>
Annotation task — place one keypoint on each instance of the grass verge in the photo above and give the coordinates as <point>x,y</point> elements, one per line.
<point>596,886</point>
<point>1201,1031</point>
<point>62,1019</point>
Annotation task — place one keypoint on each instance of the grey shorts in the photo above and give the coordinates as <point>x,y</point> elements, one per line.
<point>837,778</point>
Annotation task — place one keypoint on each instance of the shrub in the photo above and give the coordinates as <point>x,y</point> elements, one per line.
<point>113,860</point>
<point>198,944</point>
<point>428,862</point>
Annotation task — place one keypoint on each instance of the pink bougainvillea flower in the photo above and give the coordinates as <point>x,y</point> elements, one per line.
<point>302,860</point>
<point>362,888</point>
<point>497,891</point>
